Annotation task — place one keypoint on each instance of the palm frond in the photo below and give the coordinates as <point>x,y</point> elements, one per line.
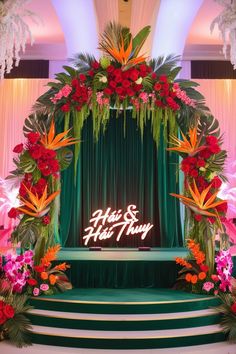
<point>163,65</point>
<point>112,36</point>
<point>82,61</point>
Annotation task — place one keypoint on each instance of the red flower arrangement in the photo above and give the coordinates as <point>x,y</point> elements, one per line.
<point>6,312</point>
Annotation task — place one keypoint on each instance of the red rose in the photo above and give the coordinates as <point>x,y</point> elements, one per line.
<point>138,87</point>
<point>193,173</point>
<point>39,269</point>
<point>13,213</point>
<point>130,92</point>
<point>134,74</point>
<point>107,91</point>
<point>158,103</point>
<point>126,83</point>
<point>95,65</point>
<point>143,67</point>
<point>41,182</point>
<point>82,77</point>
<point>157,86</point>
<point>211,220</point>
<point>49,154</point>
<point>154,76</point>
<point>8,311</point>
<point>46,220</point>
<point>214,148</point>
<point>36,151</point>
<point>201,163</point>
<point>32,282</point>
<point>112,83</point>
<point>75,83</point>
<point>222,208</point>
<point>204,268</point>
<point>33,137</point>
<point>91,73</point>
<point>216,182</point>
<point>163,78</point>
<point>211,140</point>
<point>205,154</point>
<point>165,87</point>
<point>119,90</point>
<point>66,107</point>
<point>18,148</point>
<point>233,308</point>
<point>2,303</point>
<point>110,68</point>
<point>198,217</point>
<point>118,78</point>
<point>3,318</point>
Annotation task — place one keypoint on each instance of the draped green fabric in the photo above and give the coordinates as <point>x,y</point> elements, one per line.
<point>121,168</point>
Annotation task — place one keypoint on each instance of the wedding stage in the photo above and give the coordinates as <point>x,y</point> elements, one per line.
<point>123,300</point>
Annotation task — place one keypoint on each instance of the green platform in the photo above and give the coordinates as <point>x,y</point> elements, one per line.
<point>122,267</point>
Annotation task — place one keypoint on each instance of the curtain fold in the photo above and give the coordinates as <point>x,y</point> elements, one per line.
<point>115,172</point>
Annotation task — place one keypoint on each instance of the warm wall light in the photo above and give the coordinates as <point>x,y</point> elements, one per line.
<point>14,33</point>
<point>226,22</point>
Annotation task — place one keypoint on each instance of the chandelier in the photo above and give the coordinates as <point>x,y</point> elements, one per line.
<point>226,22</point>
<point>14,33</point>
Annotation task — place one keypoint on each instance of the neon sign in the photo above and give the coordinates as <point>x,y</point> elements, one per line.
<point>105,225</point>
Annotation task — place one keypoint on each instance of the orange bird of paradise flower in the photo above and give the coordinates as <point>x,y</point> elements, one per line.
<point>191,146</point>
<point>53,142</point>
<point>199,204</point>
<point>36,206</point>
<point>123,55</point>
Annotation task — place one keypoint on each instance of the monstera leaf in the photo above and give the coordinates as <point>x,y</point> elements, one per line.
<point>209,125</point>
<point>26,233</point>
<point>216,164</point>
<point>26,163</point>
<point>36,123</point>
<point>64,157</point>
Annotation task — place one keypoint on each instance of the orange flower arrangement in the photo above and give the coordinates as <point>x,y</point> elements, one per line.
<point>48,278</point>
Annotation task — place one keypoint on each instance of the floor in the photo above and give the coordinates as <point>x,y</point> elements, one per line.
<point>218,348</point>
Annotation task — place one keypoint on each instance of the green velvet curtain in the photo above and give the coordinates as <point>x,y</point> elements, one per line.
<point>120,169</point>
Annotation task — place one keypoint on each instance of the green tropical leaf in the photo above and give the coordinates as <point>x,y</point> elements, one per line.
<point>64,157</point>
<point>71,71</point>
<point>139,40</point>
<point>208,125</point>
<point>163,65</point>
<point>27,163</point>
<point>147,83</point>
<point>39,249</point>
<point>18,330</point>
<point>83,61</point>
<point>26,233</point>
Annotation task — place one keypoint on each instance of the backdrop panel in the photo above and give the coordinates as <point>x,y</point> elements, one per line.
<point>118,170</point>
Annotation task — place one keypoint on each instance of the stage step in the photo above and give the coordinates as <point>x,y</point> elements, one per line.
<point>126,340</point>
<point>125,319</point>
<point>139,322</point>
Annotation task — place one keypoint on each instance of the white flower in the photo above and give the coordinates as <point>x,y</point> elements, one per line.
<point>139,81</point>
<point>103,79</point>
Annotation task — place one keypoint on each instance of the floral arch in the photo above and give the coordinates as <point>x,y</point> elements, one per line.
<point>122,78</point>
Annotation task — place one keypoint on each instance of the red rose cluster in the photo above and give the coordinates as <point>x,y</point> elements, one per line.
<point>6,312</point>
<point>114,82</point>
<point>192,165</point>
<point>46,159</point>
<point>195,167</point>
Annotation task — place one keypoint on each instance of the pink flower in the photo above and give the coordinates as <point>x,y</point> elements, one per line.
<point>44,287</point>
<point>144,97</point>
<point>36,291</point>
<point>207,286</point>
<point>66,90</point>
